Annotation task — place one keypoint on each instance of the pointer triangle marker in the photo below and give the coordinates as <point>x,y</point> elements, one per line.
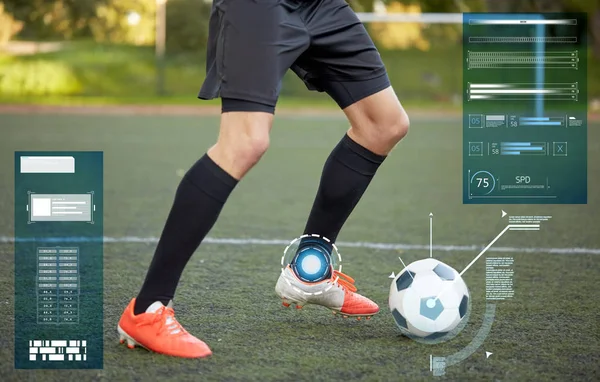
<point>392,276</point>
<point>504,213</point>
<point>488,354</point>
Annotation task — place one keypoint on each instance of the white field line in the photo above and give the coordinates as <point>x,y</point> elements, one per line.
<point>349,244</point>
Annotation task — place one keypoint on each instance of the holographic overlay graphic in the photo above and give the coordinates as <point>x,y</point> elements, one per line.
<point>58,260</point>
<point>438,365</point>
<point>312,265</point>
<point>524,108</point>
<point>309,255</point>
<point>312,262</point>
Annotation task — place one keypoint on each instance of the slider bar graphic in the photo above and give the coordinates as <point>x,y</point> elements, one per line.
<point>522,60</point>
<point>541,121</point>
<point>523,148</point>
<point>521,40</point>
<point>523,22</point>
<point>523,91</point>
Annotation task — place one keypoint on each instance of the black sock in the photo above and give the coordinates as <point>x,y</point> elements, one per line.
<point>198,202</point>
<point>346,175</point>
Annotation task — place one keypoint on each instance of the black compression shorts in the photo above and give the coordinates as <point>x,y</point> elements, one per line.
<point>252,44</point>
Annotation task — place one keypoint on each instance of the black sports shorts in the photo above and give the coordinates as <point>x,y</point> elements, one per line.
<point>252,44</point>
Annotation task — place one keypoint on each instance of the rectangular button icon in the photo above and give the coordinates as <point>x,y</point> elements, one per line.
<point>47,165</point>
<point>61,207</point>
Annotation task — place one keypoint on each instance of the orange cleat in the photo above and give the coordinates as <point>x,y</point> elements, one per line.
<point>157,330</point>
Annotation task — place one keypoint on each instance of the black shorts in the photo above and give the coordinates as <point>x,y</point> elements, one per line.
<point>252,44</point>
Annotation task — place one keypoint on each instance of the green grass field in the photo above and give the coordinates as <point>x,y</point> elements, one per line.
<point>550,331</point>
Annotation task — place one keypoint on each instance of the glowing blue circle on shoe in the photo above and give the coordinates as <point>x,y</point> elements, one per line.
<point>312,265</point>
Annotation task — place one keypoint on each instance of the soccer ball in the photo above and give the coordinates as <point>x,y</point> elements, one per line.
<point>428,299</point>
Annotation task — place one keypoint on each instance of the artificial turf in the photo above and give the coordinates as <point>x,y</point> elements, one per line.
<point>548,331</point>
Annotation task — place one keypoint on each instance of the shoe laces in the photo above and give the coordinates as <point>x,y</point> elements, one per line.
<point>344,281</point>
<point>165,318</point>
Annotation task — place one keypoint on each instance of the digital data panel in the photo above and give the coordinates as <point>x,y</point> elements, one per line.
<point>58,260</point>
<point>525,109</point>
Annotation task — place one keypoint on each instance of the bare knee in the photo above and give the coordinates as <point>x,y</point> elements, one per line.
<point>378,122</point>
<point>251,142</point>
<point>394,127</point>
<point>382,131</point>
<point>243,140</point>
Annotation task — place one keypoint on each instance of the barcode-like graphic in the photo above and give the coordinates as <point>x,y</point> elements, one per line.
<point>58,350</point>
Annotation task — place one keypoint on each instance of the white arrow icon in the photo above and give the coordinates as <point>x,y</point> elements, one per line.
<point>392,276</point>
<point>431,234</point>
<point>504,213</point>
<point>488,354</point>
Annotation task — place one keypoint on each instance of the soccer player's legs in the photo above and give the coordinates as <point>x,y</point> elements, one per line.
<point>245,65</point>
<point>344,62</point>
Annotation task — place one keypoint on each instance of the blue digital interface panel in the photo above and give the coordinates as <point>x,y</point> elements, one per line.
<point>58,260</point>
<point>525,108</point>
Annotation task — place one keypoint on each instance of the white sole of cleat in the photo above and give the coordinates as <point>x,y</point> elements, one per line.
<point>126,338</point>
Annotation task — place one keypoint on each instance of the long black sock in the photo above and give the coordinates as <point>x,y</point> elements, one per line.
<point>198,202</point>
<point>346,175</point>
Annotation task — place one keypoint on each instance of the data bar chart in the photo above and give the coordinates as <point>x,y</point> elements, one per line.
<point>525,108</point>
<point>523,148</point>
<point>542,121</point>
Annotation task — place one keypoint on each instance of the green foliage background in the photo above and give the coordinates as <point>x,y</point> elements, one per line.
<point>104,55</point>
<point>38,78</point>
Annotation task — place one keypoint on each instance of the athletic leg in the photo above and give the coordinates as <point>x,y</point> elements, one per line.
<point>378,123</point>
<point>243,139</point>
<point>246,60</point>
<point>343,61</point>
<point>243,68</point>
<point>149,319</point>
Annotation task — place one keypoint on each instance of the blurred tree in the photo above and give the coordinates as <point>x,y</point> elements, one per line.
<point>362,5</point>
<point>124,21</point>
<point>111,21</point>
<point>104,20</point>
<point>592,8</point>
<point>512,6</point>
<point>444,6</point>
<point>400,35</point>
<point>595,31</point>
<point>187,25</point>
<point>9,27</point>
<point>53,19</point>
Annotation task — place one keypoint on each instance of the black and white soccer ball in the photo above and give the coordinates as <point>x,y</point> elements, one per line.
<point>428,299</point>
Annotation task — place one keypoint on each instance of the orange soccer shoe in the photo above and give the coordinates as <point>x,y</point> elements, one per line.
<point>157,330</point>
<point>337,293</point>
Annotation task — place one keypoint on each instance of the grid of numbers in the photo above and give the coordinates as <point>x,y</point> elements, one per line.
<point>58,285</point>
